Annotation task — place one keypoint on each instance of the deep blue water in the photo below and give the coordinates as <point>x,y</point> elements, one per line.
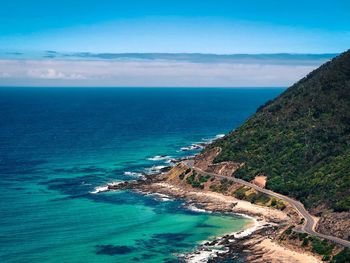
<point>58,144</point>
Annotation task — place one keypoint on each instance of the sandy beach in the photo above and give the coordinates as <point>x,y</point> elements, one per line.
<point>257,242</point>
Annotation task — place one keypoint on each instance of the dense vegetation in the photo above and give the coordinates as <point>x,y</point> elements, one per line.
<point>253,196</point>
<point>342,257</point>
<point>323,247</point>
<point>301,139</point>
<point>221,187</point>
<point>194,179</point>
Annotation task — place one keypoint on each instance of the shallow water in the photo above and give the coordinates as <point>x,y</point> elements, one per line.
<point>58,145</point>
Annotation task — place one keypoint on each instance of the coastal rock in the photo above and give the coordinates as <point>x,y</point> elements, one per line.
<point>204,160</point>
<point>336,224</point>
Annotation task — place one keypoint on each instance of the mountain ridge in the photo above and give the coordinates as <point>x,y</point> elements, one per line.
<point>300,140</point>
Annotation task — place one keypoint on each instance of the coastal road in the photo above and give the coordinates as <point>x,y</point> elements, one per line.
<point>310,222</point>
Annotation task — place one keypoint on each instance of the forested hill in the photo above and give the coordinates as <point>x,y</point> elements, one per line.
<point>301,140</point>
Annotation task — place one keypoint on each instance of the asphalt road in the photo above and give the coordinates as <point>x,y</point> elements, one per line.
<point>310,222</point>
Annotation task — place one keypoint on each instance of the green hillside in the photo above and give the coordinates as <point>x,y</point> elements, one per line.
<point>301,140</point>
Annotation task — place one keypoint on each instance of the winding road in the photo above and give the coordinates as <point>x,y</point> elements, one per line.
<point>310,222</point>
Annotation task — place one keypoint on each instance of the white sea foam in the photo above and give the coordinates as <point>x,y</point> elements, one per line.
<point>100,189</point>
<point>133,174</point>
<point>210,140</point>
<point>159,158</point>
<point>194,146</point>
<point>202,144</point>
<point>196,209</point>
<point>204,253</point>
<point>154,169</point>
<point>257,225</point>
<point>161,197</point>
<point>202,256</point>
<point>104,188</point>
<point>218,136</point>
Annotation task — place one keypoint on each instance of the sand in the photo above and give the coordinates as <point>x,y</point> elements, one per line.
<point>274,252</point>
<point>213,201</point>
<point>260,244</point>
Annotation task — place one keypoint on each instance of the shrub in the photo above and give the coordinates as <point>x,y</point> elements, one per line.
<point>305,242</point>
<point>182,176</point>
<point>342,257</point>
<point>204,179</point>
<point>240,193</point>
<point>289,230</point>
<point>321,247</point>
<point>273,202</point>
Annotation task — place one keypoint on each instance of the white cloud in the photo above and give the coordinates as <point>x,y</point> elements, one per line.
<point>148,73</point>
<point>4,75</point>
<point>52,74</point>
<point>45,74</point>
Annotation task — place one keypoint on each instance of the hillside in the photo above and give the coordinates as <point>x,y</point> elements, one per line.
<point>301,140</point>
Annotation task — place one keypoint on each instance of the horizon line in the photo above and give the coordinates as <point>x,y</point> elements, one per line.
<point>149,87</point>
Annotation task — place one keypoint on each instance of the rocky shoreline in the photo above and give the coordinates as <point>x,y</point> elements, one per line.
<point>256,244</point>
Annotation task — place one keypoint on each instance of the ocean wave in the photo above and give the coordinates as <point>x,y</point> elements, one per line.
<point>192,147</point>
<point>205,252</point>
<point>196,209</point>
<point>202,144</point>
<point>247,232</point>
<point>134,174</point>
<point>202,256</point>
<point>210,140</point>
<point>154,169</point>
<point>161,197</point>
<point>105,188</point>
<point>159,158</point>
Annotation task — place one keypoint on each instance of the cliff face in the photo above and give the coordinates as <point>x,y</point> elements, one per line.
<point>301,140</point>
<point>336,224</point>
<point>205,160</point>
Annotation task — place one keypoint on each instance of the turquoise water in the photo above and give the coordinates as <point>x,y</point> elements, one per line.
<point>58,145</point>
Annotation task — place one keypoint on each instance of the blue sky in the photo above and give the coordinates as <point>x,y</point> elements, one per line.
<point>207,26</point>
<point>28,29</point>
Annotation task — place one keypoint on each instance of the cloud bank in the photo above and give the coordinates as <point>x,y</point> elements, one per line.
<point>157,70</point>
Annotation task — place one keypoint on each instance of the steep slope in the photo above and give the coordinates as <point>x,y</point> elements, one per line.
<point>301,140</point>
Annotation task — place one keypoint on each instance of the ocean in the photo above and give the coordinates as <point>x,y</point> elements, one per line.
<point>59,146</point>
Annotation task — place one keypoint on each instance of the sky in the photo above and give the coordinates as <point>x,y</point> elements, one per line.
<point>30,30</point>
